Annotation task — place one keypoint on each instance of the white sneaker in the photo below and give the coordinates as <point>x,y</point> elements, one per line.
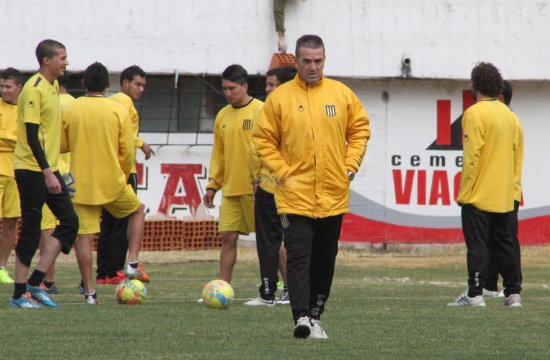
<point>490,293</point>
<point>91,299</point>
<point>514,300</point>
<point>464,300</point>
<point>284,298</point>
<point>303,327</point>
<point>317,331</point>
<point>260,302</point>
<point>501,294</point>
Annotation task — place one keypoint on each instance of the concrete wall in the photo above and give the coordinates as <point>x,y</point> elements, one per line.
<point>367,38</point>
<point>405,191</point>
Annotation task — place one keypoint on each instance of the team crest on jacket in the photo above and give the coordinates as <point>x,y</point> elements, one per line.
<point>330,110</point>
<point>247,124</point>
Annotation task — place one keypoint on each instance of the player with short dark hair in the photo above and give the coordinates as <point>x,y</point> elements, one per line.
<point>487,188</point>
<point>229,165</point>
<point>312,135</point>
<point>38,178</point>
<point>113,241</point>
<point>95,122</point>
<point>129,74</point>
<point>269,233</point>
<point>11,83</point>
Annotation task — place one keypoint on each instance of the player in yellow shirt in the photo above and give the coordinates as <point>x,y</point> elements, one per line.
<point>491,286</point>
<point>37,175</point>
<point>229,165</point>
<point>11,83</point>
<point>487,188</point>
<point>269,233</point>
<point>93,122</point>
<point>48,219</point>
<point>112,243</point>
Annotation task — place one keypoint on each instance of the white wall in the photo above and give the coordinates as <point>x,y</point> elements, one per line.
<point>365,38</point>
<point>404,125</point>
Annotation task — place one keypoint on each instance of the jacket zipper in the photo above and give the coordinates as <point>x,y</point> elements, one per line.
<point>314,153</point>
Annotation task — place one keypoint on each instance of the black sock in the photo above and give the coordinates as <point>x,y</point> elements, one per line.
<point>472,293</point>
<point>36,278</point>
<point>134,264</point>
<point>49,284</point>
<point>19,290</point>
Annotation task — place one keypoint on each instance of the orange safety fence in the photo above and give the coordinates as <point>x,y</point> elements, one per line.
<point>166,235</point>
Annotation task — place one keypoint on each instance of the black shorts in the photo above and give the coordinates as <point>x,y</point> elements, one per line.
<point>33,195</point>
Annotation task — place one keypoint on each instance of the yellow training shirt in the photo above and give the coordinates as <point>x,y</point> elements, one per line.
<point>491,144</point>
<point>8,137</point>
<point>230,170</point>
<point>128,103</point>
<point>38,104</point>
<point>64,163</point>
<point>98,133</point>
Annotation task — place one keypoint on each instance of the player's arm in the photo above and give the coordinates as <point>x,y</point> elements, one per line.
<point>357,134</point>
<point>254,161</point>
<point>217,167</point>
<point>145,148</point>
<point>518,158</point>
<point>52,183</point>
<point>65,147</point>
<point>266,136</point>
<point>125,144</point>
<point>9,137</point>
<point>472,144</point>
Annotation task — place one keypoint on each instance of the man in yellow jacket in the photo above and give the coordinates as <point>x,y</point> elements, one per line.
<point>487,188</point>
<point>11,83</point>
<point>229,165</point>
<point>312,135</point>
<point>93,122</point>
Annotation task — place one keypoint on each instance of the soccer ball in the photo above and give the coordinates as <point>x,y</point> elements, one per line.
<point>131,292</point>
<point>217,294</point>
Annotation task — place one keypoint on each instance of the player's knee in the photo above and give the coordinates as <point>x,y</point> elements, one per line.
<point>9,222</point>
<point>229,238</point>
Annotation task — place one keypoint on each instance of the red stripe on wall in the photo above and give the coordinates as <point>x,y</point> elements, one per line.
<point>533,231</point>
<point>443,122</point>
<point>467,100</point>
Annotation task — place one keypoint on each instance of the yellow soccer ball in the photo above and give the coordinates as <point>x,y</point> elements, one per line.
<point>131,292</point>
<point>217,294</point>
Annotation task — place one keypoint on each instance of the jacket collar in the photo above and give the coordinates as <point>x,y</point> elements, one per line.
<point>301,83</point>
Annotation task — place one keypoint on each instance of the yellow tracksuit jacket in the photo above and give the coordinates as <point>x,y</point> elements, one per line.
<point>491,157</point>
<point>308,137</point>
<point>259,172</point>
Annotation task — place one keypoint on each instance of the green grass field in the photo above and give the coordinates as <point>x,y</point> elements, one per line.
<point>382,306</point>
